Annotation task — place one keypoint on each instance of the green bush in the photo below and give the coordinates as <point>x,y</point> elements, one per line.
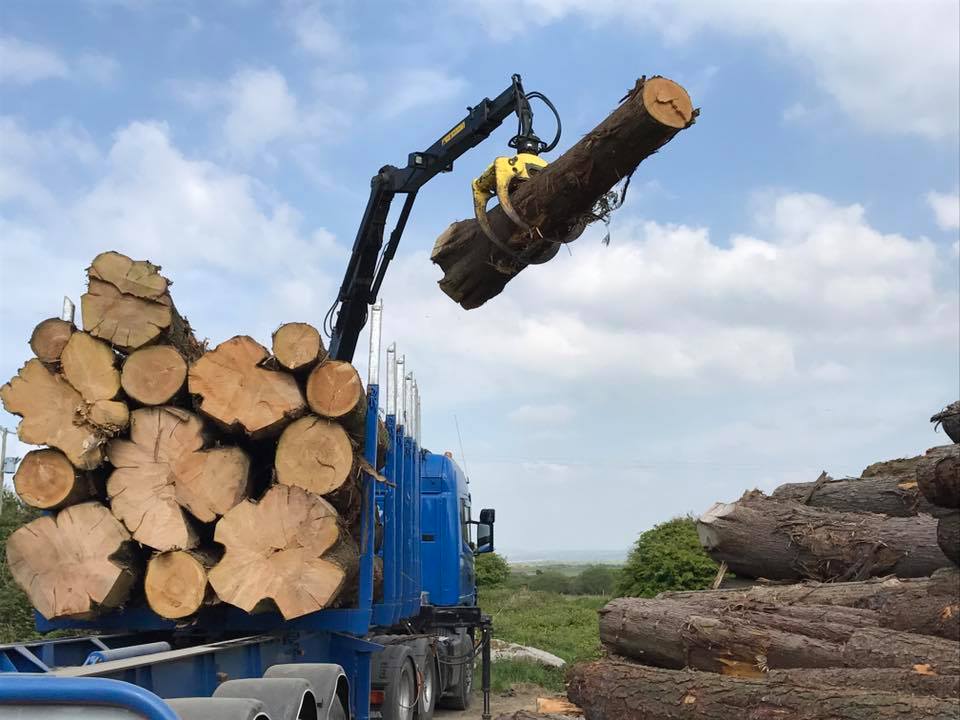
<point>596,580</point>
<point>16,615</point>
<point>551,581</point>
<point>492,570</point>
<point>667,557</point>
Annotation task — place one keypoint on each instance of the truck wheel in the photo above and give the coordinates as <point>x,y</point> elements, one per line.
<point>459,697</point>
<point>430,688</point>
<point>400,701</point>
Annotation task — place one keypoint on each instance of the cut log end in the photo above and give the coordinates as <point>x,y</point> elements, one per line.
<point>111,417</point>
<point>297,345</point>
<point>154,375</point>
<point>176,583</point>
<point>49,338</point>
<point>125,321</point>
<point>334,389</point>
<point>140,278</point>
<point>47,480</point>
<point>667,102</point>
<point>314,454</point>
<point>90,366</point>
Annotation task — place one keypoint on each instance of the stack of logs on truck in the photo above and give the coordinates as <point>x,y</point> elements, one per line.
<point>851,609</point>
<point>179,476</point>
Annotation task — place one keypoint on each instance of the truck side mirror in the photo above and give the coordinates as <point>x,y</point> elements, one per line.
<point>484,538</point>
<point>488,515</point>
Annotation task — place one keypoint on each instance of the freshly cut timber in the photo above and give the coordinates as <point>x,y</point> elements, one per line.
<point>886,494</point>
<point>314,454</point>
<point>762,538</point>
<point>176,583</point>
<point>125,321</point>
<point>49,407</point>
<point>236,391</point>
<point>556,203</point>
<point>46,479</point>
<point>334,390</point>
<point>673,634</point>
<point>611,689</point>
<point>289,548</point>
<point>928,606</point>
<point>49,338</point>
<point>91,367</point>
<point>938,476</point>
<point>297,346</point>
<point>74,564</point>
<point>139,278</point>
<point>948,536</point>
<point>162,472</point>
<point>949,419</point>
<point>154,375</point>
<point>111,417</point>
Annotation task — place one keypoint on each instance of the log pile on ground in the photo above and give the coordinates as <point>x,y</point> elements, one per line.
<point>854,611</point>
<point>180,476</point>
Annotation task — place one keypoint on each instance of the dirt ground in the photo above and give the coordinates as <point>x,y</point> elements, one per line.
<point>523,697</point>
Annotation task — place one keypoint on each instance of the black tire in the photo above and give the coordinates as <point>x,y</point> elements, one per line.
<point>460,695</point>
<point>336,711</point>
<point>430,688</point>
<point>400,701</point>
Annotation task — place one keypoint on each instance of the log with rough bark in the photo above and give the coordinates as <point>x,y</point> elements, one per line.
<point>886,494</point>
<point>608,689</point>
<point>928,606</point>
<point>75,563</point>
<point>314,454</point>
<point>163,473</point>
<point>298,346</point>
<point>735,640</point>
<point>938,476</point>
<point>949,419</point>
<point>948,536</point>
<point>904,467</point>
<point>528,715</point>
<point>49,338</point>
<point>154,375</point>
<point>239,393</point>
<point>176,583</point>
<point>50,409</point>
<point>91,367</point>
<point>47,480</point>
<point>290,548</point>
<point>762,538</point>
<point>561,198</point>
<point>335,391</point>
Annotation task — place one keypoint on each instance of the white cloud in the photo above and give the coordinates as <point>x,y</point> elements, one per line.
<point>537,416</point>
<point>314,31</point>
<point>412,88</point>
<point>22,62</point>
<point>946,209</point>
<point>891,67</point>
<point>101,69</point>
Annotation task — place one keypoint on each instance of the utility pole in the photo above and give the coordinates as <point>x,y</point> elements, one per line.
<point>7,465</point>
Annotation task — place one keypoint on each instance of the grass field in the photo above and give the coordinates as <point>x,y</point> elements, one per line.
<point>565,625</point>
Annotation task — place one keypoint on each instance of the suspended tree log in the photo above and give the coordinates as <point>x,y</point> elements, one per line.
<point>928,606</point>
<point>949,418</point>
<point>91,367</point>
<point>761,538</point>
<point>608,689</point>
<point>298,346</point>
<point>49,407</point>
<point>74,564</point>
<point>314,454</point>
<point>162,472</point>
<point>558,201</point>
<point>948,536</point>
<point>289,548</point>
<point>239,394</point>
<point>938,476</point>
<point>49,338</point>
<point>176,582</point>
<point>886,494</point>
<point>154,375</point>
<point>673,634</point>
<point>47,480</point>
<point>139,278</point>
<point>334,390</point>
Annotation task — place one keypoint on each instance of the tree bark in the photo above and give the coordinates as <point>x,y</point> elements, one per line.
<point>314,454</point>
<point>49,338</point>
<point>298,346</point>
<point>904,467</point>
<point>240,394</point>
<point>949,419</point>
<point>528,715</point>
<point>162,473</point>
<point>335,391</point>
<point>609,690</point>
<point>562,197</point>
<point>154,375</point>
<point>289,548</point>
<point>91,367</point>
<point>938,476</point>
<point>673,634</point>
<point>176,582</point>
<point>47,480</point>
<point>762,538</point>
<point>50,410</point>
<point>75,563</point>
<point>885,494</point>
<point>948,536</point>
<point>928,606</point>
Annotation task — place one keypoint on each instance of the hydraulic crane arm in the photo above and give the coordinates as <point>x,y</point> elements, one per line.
<point>367,265</point>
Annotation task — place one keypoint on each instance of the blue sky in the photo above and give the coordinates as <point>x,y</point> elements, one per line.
<point>780,294</point>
